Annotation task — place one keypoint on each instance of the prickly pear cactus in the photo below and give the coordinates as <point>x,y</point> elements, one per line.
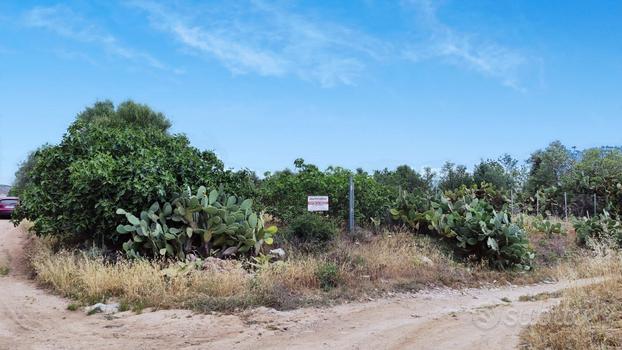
<point>202,223</point>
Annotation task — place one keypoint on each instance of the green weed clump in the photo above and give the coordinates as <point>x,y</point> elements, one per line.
<point>328,275</point>
<point>311,232</point>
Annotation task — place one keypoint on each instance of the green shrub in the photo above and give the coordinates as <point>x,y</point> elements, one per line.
<point>112,158</point>
<point>328,275</point>
<point>202,224</point>
<point>311,231</point>
<point>601,227</point>
<point>547,227</point>
<point>285,193</point>
<point>484,191</point>
<point>473,226</point>
<point>411,209</point>
<point>405,178</point>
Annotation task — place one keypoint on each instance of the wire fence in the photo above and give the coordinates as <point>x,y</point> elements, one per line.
<point>564,205</point>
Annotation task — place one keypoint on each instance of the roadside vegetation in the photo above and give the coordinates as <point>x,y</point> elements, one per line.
<point>587,317</point>
<point>342,270</point>
<point>124,210</point>
<point>4,265</point>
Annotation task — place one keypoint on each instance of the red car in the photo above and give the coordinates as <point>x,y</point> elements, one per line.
<point>7,205</point>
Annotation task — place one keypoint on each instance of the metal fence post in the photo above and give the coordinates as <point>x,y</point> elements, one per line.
<point>566,205</point>
<point>351,206</point>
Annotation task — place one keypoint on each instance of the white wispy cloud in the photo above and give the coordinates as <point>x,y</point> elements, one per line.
<point>277,39</point>
<point>63,21</point>
<point>465,50</point>
<point>262,38</point>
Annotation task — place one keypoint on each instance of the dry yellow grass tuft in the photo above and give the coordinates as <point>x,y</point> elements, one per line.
<point>587,317</point>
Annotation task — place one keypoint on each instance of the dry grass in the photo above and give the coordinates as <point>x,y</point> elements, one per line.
<point>139,283</point>
<point>551,249</point>
<point>387,262</point>
<point>588,317</point>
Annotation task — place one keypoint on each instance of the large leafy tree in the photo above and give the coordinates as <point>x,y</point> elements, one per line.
<point>503,173</point>
<point>598,171</point>
<point>110,158</point>
<point>285,192</point>
<point>454,176</point>
<point>127,113</point>
<point>22,175</point>
<point>403,177</point>
<point>548,166</point>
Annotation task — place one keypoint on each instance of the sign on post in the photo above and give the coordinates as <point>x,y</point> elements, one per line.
<point>317,203</point>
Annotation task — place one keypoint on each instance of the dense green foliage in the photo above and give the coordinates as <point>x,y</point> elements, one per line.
<point>75,187</point>
<point>599,172</point>
<point>454,176</point>
<point>201,224</point>
<point>127,113</point>
<point>405,178</point>
<point>580,175</point>
<point>411,208</point>
<point>503,173</point>
<point>124,157</point>
<point>601,227</point>
<point>311,231</point>
<point>484,191</point>
<point>22,175</point>
<point>548,166</point>
<point>471,223</point>
<point>285,193</point>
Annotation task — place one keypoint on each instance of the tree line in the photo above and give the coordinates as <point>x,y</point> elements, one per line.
<point>125,156</point>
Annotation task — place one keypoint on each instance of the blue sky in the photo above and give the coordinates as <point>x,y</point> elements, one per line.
<point>369,83</point>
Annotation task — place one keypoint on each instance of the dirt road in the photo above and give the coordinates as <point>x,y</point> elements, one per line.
<point>31,318</point>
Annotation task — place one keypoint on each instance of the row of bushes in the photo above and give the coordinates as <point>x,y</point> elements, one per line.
<point>125,157</point>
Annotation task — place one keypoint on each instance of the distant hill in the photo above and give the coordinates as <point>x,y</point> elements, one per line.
<point>4,190</point>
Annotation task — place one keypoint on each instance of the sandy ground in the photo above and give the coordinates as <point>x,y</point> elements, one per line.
<point>32,318</point>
